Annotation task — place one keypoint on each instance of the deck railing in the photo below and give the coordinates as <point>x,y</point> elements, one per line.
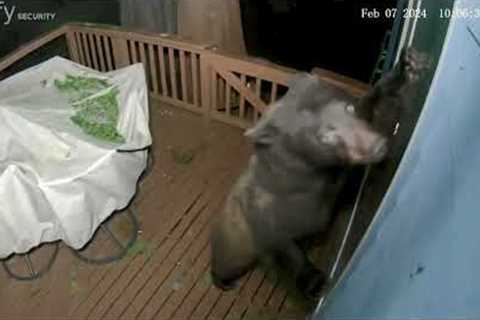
<point>196,77</point>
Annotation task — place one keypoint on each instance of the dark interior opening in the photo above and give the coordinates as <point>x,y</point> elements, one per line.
<point>330,34</point>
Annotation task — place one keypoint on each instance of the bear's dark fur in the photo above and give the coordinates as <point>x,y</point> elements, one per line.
<point>301,148</point>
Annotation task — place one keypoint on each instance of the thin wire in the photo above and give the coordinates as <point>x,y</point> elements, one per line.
<point>405,29</point>
<point>333,271</point>
<point>350,223</point>
<point>414,26</point>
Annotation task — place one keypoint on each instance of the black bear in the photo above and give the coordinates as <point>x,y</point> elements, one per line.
<point>301,147</point>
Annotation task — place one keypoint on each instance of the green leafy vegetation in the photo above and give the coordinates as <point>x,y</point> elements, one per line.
<point>142,247</point>
<point>78,88</point>
<point>74,285</point>
<point>95,104</point>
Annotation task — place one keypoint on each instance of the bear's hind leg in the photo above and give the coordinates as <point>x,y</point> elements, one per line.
<point>309,280</point>
<point>230,265</point>
<point>233,250</point>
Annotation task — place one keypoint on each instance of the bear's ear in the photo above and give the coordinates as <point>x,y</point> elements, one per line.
<point>303,91</point>
<point>302,83</point>
<point>263,133</point>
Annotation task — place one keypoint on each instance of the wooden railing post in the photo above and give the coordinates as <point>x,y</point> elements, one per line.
<point>72,46</point>
<point>120,52</point>
<point>205,82</point>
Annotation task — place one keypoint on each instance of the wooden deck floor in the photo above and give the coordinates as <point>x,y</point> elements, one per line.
<point>165,274</point>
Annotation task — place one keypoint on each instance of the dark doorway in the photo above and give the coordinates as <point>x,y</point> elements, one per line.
<point>330,34</point>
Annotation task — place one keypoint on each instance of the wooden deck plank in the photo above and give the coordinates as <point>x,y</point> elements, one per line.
<point>244,299</point>
<point>216,307</point>
<point>163,290</point>
<point>168,190</point>
<point>196,296</point>
<point>107,283</point>
<point>258,309</point>
<point>128,294</point>
<point>110,277</point>
<point>167,253</point>
<point>196,272</point>
<point>275,301</point>
<point>192,192</point>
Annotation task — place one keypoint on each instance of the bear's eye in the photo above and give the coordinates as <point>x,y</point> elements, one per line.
<point>350,108</point>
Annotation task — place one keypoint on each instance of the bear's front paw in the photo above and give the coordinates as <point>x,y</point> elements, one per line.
<point>223,284</point>
<point>311,283</point>
<point>414,63</point>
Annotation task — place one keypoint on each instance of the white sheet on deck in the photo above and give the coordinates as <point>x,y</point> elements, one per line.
<point>56,182</point>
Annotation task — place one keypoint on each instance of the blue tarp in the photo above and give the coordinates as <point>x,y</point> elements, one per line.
<point>421,257</point>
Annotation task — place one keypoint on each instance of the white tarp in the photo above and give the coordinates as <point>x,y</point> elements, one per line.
<point>56,182</point>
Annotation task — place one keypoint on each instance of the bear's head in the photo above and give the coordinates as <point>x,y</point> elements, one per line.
<point>319,124</point>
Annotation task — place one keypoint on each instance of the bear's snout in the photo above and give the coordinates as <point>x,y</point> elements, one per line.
<point>379,149</point>
<point>368,148</point>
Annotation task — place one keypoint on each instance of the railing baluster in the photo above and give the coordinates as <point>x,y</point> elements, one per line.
<point>143,56</point>
<point>258,90</point>
<point>273,96</point>
<point>228,93</point>
<point>88,62</point>
<point>133,51</point>
<point>173,72</point>
<point>214,87</point>
<point>193,56</point>
<point>183,76</point>
<point>106,47</point>
<point>163,70</point>
<point>93,51</point>
<point>205,66</point>
<point>153,68</point>
<point>221,91</point>
<point>80,48</point>
<point>143,60</point>
<point>120,48</point>
<point>243,80</point>
<point>101,54</point>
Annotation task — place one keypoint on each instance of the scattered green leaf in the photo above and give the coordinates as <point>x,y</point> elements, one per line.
<point>141,247</point>
<point>183,157</point>
<point>74,286</point>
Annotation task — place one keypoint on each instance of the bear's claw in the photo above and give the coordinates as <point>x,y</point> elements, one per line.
<point>413,63</point>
